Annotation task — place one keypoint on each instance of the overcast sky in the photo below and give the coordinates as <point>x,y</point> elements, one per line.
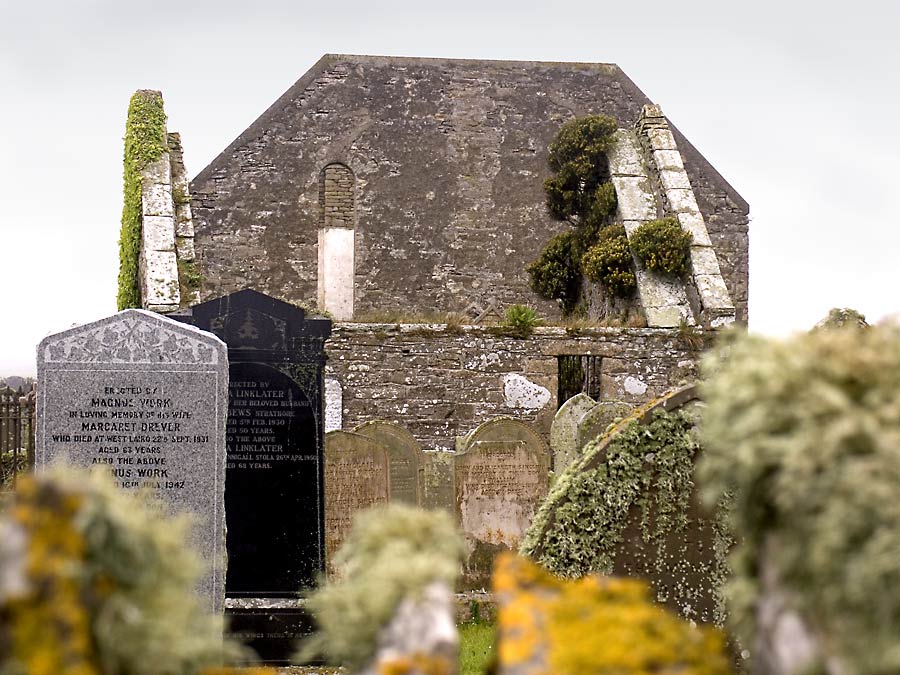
<point>796,104</point>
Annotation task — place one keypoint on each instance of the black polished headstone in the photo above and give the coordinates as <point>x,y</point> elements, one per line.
<point>274,496</point>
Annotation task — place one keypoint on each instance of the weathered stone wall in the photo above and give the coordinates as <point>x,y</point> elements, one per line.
<point>440,385</point>
<point>449,158</point>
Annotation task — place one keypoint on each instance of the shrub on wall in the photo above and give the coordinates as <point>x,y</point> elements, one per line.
<point>805,433</point>
<point>145,142</point>
<point>609,262</point>
<point>580,193</point>
<point>663,246</point>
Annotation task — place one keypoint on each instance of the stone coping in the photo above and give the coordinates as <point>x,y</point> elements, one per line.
<point>501,331</point>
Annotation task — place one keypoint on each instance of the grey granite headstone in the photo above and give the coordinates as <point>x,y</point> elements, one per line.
<point>597,420</point>
<point>564,430</point>
<point>145,397</point>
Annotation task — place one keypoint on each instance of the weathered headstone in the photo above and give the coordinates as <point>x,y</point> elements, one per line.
<point>274,494</point>
<point>564,430</point>
<point>596,421</point>
<point>405,456</point>
<point>356,477</point>
<point>500,478</point>
<point>146,398</point>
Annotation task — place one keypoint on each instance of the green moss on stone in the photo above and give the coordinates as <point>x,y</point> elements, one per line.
<point>145,142</point>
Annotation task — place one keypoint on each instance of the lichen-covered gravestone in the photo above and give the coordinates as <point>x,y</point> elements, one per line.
<point>356,478</point>
<point>406,459</point>
<point>144,397</point>
<point>501,477</point>
<point>564,430</point>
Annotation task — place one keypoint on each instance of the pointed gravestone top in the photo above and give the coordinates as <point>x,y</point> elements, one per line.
<point>144,397</point>
<point>249,319</point>
<point>564,430</point>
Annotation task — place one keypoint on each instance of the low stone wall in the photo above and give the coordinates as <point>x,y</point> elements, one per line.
<point>440,384</point>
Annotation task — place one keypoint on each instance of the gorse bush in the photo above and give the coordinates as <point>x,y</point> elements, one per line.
<point>663,246</point>
<point>609,262</point>
<point>556,274</point>
<point>95,581</point>
<point>580,193</point>
<point>805,433</point>
<point>391,553</point>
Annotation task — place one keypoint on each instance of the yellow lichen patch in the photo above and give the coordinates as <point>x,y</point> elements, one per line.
<point>418,663</point>
<point>594,625</point>
<point>239,671</point>
<point>49,626</point>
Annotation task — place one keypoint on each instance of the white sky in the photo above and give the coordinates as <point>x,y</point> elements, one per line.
<point>795,103</point>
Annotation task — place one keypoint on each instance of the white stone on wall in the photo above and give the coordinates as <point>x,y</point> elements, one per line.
<point>335,274</point>
<point>520,392</point>
<point>334,405</point>
<point>709,290</point>
<point>665,303</point>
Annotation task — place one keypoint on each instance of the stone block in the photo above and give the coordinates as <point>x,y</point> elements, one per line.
<point>635,197</point>
<point>682,200</point>
<point>625,156</point>
<point>156,200</point>
<point>674,180</point>
<point>158,171</point>
<point>668,160</point>
<point>713,292</point>
<point>704,261</point>
<point>693,223</point>
<point>159,278</point>
<point>659,291</point>
<point>668,317</point>
<point>184,247</point>
<point>660,139</point>
<point>158,233</point>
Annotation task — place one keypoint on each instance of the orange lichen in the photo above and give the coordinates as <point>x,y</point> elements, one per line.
<point>594,625</point>
<point>418,663</point>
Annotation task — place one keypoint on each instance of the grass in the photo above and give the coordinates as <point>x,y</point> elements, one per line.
<point>476,648</point>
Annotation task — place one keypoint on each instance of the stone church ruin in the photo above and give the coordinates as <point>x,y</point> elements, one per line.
<point>407,187</point>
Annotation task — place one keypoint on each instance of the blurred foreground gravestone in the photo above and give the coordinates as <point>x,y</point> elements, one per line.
<point>144,397</point>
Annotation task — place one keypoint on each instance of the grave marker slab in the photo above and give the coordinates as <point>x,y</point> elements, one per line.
<point>144,397</point>
<point>274,493</point>
<point>595,421</point>
<point>564,431</point>
<point>501,478</point>
<point>406,459</point>
<point>357,470</point>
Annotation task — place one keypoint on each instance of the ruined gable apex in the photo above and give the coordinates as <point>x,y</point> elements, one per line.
<point>441,205</point>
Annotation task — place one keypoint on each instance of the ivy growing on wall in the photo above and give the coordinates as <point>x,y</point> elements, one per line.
<point>145,142</point>
<point>580,193</point>
<point>645,481</point>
